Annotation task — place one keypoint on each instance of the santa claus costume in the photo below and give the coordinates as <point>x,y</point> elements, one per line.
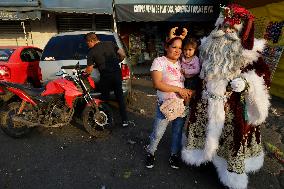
<point>231,101</point>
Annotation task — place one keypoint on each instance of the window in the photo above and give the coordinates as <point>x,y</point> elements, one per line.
<point>103,22</point>
<point>69,47</point>
<point>83,22</point>
<point>27,55</point>
<point>67,23</point>
<point>5,54</point>
<point>37,54</point>
<point>14,27</point>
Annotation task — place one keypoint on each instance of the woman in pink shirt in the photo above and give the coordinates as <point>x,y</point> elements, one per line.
<point>169,82</point>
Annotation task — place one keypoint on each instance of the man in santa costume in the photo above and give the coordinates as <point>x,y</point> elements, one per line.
<point>231,101</point>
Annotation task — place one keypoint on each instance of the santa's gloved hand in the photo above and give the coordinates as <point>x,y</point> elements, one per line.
<point>238,85</point>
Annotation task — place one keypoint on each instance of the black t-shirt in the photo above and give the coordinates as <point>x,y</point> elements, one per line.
<point>104,57</point>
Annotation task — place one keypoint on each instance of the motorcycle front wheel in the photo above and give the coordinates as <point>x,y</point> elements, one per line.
<point>98,124</point>
<point>7,124</point>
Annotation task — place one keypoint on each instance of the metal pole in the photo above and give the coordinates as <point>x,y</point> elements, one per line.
<point>24,28</point>
<point>114,18</point>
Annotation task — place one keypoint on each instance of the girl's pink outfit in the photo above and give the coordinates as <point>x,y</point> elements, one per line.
<point>190,67</point>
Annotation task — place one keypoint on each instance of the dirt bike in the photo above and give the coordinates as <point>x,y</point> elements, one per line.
<point>54,105</point>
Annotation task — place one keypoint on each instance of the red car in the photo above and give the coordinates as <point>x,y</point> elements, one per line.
<point>20,64</point>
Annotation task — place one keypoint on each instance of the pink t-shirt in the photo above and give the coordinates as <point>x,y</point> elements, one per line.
<point>190,67</point>
<point>171,75</point>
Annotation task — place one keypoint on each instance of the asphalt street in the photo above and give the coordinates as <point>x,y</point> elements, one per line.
<point>69,158</point>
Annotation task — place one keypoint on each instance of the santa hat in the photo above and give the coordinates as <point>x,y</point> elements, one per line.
<point>241,19</point>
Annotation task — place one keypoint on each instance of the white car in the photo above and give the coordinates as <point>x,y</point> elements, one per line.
<point>67,49</point>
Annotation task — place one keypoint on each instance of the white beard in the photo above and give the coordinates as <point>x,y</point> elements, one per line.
<point>221,56</point>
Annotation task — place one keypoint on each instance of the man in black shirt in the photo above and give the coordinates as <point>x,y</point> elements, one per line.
<point>106,56</point>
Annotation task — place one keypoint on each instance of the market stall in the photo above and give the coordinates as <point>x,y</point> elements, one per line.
<point>269,25</point>
<point>144,24</point>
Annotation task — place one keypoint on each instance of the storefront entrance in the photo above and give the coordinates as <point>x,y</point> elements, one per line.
<point>144,25</point>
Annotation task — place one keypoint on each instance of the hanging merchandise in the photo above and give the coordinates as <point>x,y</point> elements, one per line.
<point>273,51</point>
<point>134,44</point>
<point>135,48</point>
<point>273,31</point>
<point>272,56</point>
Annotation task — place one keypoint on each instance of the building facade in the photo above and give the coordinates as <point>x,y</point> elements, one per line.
<point>34,22</point>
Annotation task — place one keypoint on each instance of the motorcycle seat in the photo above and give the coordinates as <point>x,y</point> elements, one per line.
<point>27,89</point>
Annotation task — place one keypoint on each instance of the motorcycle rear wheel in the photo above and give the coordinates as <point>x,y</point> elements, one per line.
<point>7,124</point>
<point>101,125</point>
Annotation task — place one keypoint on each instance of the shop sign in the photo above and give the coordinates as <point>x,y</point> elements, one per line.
<point>7,15</point>
<point>166,12</point>
<point>173,9</point>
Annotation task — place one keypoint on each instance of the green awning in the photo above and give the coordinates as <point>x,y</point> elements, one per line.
<point>78,6</point>
<point>166,10</point>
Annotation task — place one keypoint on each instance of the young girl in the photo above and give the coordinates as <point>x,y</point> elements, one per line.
<point>168,80</point>
<point>190,64</point>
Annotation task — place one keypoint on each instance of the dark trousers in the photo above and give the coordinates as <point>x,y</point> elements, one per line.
<point>113,81</point>
<point>191,83</point>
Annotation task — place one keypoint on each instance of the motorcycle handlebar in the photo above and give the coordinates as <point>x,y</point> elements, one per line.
<point>74,67</point>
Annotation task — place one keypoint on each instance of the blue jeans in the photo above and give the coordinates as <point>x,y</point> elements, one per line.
<point>160,126</point>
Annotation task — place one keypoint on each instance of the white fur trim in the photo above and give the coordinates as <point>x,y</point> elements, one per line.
<point>203,40</point>
<point>216,117</point>
<point>259,45</point>
<point>251,56</point>
<point>253,164</point>
<point>230,179</point>
<point>193,157</point>
<point>238,27</point>
<point>219,20</point>
<point>257,98</point>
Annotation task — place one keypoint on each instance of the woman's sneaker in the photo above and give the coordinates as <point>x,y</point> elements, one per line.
<point>174,161</point>
<point>150,161</point>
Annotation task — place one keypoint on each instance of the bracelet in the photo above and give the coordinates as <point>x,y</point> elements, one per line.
<point>216,97</point>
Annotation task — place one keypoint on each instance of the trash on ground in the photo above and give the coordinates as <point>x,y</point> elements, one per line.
<point>274,111</point>
<point>275,152</point>
<point>127,174</point>
<point>131,142</point>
